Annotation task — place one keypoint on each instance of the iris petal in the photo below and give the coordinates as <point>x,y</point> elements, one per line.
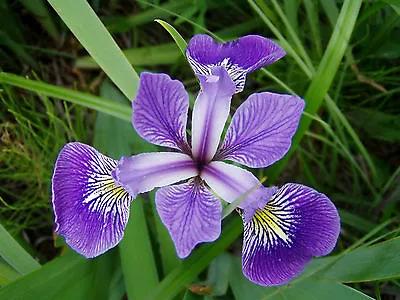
<point>296,224</point>
<point>191,213</point>
<point>262,129</point>
<point>160,111</point>
<point>91,212</point>
<point>239,57</point>
<point>210,113</point>
<point>231,182</point>
<point>144,172</point>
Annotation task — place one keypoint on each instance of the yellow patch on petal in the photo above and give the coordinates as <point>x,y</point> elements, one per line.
<point>103,194</point>
<point>266,220</point>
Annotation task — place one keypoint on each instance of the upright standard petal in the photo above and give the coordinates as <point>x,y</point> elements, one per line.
<point>296,224</point>
<point>160,111</point>
<point>239,57</point>
<point>143,172</point>
<point>231,182</point>
<point>261,130</point>
<point>191,213</point>
<point>90,211</point>
<point>210,113</point>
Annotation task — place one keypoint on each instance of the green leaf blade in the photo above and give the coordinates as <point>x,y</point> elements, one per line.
<point>15,255</point>
<point>377,262</point>
<point>179,40</point>
<point>324,76</point>
<point>88,29</point>
<point>50,280</point>
<point>102,105</point>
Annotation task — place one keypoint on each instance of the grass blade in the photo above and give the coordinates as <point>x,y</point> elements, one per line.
<point>377,262</point>
<point>308,289</point>
<point>282,41</point>
<point>310,72</point>
<point>137,255</point>
<point>105,268</point>
<point>7,273</point>
<point>183,275</point>
<point>179,40</point>
<point>313,20</point>
<point>9,23</point>
<point>293,35</point>
<point>50,280</point>
<point>40,11</point>
<point>88,29</point>
<point>19,51</point>
<point>218,274</point>
<point>323,78</point>
<point>118,110</point>
<point>15,255</point>
<point>124,24</point>
<point>166,54</point>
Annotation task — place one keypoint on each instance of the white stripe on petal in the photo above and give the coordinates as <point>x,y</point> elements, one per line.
<point>91,211</point>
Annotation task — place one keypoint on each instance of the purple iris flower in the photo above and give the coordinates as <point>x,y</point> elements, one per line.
<point>283,227</point>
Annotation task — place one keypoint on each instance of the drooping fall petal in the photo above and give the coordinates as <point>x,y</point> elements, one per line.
<point>191,213</point>
<point>296,224</point>
<point>90,210</point>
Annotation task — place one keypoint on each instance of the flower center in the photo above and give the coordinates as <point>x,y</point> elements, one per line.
<point>200,165</point>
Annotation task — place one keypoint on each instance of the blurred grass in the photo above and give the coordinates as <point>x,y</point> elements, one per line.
<point>33,129</point>
<point>349,152</point>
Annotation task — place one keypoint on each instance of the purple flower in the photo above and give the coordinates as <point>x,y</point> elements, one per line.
<point>284,227</point>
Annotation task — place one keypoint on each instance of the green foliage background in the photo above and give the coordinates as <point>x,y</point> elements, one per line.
<point>69,70</point>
